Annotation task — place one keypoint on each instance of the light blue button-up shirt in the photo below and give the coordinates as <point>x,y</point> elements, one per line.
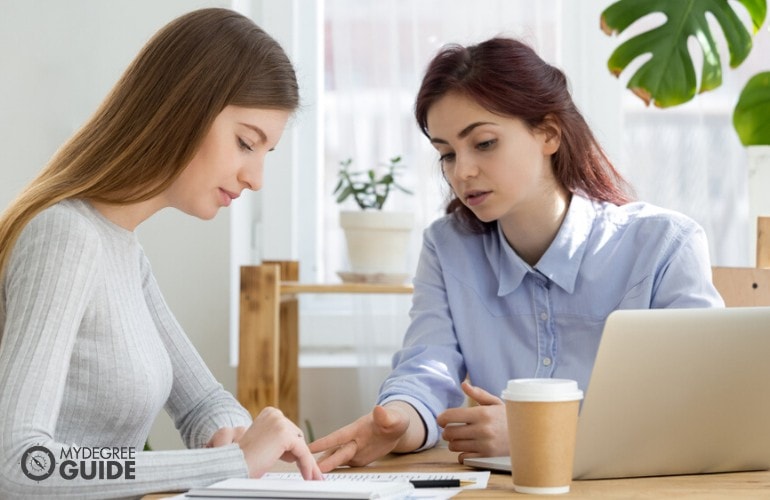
<point>480,310</point>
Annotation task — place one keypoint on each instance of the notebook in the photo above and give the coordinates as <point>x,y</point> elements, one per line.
<point>675,391</point>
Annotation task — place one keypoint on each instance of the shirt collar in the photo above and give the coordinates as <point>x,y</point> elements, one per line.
<point>560,263</point>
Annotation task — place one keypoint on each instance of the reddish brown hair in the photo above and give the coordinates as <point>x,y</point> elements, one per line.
<point>508,78</point>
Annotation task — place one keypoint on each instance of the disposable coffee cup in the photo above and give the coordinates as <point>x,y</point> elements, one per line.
<point>542,423</point>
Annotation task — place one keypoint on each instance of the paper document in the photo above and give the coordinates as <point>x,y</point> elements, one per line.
<point>478,478</point>
<point>354,485</point>
<point>300,489</point>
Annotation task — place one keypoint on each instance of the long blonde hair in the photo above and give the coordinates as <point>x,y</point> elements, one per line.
<point>150,125</point>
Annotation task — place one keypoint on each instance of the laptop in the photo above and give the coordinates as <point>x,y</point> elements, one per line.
<point>674,391</point>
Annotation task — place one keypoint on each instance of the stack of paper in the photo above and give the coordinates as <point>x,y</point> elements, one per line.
<point>300,489</point>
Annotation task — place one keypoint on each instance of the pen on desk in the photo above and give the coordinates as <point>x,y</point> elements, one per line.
<point>439,483</point>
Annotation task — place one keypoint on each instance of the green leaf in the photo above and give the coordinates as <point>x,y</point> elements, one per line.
<point>339,186</point>
<point>668,77</point>
<point>343,196</point>
<point>402,188</point>
<point>751,117</point>
<point>369,191</point>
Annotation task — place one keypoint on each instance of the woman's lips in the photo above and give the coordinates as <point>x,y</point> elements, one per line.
<point>227,197</point>
<point>474,198</point>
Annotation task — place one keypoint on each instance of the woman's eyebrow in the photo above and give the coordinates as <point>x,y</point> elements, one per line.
<point>463,133</point>
<point>256,129</point>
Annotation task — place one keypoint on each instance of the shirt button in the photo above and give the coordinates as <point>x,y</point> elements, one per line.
<point>543,316</point>
<point>546,361</point>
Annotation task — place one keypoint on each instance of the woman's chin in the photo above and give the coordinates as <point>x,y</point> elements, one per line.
<point>483,217</point>
<point>209,216</point>
<point>206,214</point>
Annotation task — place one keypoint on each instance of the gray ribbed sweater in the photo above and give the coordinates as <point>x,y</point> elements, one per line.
<point>90,353</point>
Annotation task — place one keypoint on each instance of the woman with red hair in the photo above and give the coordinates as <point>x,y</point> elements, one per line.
<point>541,242</point>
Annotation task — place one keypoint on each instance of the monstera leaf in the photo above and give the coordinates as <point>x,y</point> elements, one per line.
<point>751,117</point>
<point>668,77</point>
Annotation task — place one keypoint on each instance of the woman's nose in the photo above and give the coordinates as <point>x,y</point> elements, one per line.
<point>465,167</point>
<point>251,175</point>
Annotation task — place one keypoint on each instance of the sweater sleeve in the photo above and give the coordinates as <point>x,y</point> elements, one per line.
<point>48,283</point>
<point>198,403</point>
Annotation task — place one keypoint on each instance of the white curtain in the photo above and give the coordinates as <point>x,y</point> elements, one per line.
<point>691,160</point>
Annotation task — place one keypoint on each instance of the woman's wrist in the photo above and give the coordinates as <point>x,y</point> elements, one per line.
<point>416,432</point>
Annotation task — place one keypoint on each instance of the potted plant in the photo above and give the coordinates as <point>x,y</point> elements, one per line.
<point>668,77</point>
<point>377,240</point>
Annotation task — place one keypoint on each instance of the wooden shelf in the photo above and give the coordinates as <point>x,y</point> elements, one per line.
<point>268,367</point>
<point>294,287</point>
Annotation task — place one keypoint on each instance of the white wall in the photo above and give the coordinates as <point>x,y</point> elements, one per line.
<point>57,61</point>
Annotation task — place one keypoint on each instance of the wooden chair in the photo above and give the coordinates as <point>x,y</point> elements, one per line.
<point>747,286</point>
<point>268,352</point>
<point>742,286</point>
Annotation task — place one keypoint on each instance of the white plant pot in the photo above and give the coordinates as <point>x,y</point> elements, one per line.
<point>377,241</point>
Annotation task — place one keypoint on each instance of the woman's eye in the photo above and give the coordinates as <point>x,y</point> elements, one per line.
<point>446,158</point>
<point>243,145</point>
<point>486,144</point>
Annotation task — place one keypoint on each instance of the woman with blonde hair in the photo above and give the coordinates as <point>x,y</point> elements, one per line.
<point>89,351</point>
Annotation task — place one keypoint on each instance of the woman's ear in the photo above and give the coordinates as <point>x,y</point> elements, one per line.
<point>552,134</point>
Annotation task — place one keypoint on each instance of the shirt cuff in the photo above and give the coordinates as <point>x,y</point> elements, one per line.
<point>428,418</point>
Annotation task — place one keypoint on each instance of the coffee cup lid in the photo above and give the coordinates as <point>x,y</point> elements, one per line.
<point>542,390</point>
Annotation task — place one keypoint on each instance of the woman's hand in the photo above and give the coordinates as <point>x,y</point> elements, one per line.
<point>385,429</point>
<point>272,436</point>
<point>225,436</point>
<point>476,431</point>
